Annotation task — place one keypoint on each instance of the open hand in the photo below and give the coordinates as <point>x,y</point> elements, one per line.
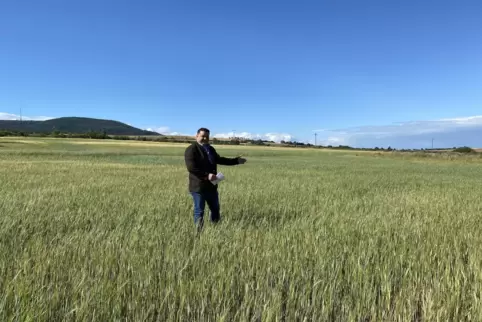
<point>212,177</point>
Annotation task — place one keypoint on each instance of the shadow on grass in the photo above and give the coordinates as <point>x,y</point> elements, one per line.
<point>252,221</point>
<point>256,219</point>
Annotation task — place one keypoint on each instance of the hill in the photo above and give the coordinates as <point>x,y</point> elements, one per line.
<point>73,125</point>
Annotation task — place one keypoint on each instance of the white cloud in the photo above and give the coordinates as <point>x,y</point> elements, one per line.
<point>14,117</point>
<point>165,130</point>
<point>162,130</point>
<point>446,132</point>
<point>332,140</point>
<point>276,137</point>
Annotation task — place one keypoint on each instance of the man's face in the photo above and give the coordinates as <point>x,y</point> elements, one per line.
<point>202,137</point>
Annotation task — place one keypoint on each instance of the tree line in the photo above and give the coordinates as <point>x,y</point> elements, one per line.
<point>102,135</point>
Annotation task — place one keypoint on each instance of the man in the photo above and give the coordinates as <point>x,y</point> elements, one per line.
<point>201,161</point>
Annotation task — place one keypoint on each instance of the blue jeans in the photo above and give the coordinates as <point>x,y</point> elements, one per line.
<point>200,199</point>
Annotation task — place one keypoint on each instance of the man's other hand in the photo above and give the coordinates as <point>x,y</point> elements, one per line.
<point>212,177</point>
<point>241,160</point>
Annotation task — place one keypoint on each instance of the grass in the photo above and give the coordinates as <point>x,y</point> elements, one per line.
<point>104,232</point>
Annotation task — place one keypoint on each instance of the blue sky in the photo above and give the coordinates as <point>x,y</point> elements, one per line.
<point>363,73</point>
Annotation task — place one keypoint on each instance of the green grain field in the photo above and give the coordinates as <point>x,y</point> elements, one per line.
<point>103,231</point>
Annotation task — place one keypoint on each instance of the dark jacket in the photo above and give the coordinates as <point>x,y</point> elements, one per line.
<point>199,167</point>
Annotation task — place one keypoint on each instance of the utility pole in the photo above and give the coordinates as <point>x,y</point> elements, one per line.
<point>315,137</point>
<point>432,143</point>
<point>234,134</point>
<point>20,114</point>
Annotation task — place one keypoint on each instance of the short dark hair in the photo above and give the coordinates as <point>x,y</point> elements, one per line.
<point>203,129</point>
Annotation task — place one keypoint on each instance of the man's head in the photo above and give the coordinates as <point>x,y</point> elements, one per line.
<point>202,136</point>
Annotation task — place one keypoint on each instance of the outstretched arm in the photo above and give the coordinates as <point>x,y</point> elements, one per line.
<point>227,161</point>
<point>192,165</point>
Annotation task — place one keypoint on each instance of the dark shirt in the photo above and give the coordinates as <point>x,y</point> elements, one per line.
<point>211,157</point>
<point>200,162</point>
